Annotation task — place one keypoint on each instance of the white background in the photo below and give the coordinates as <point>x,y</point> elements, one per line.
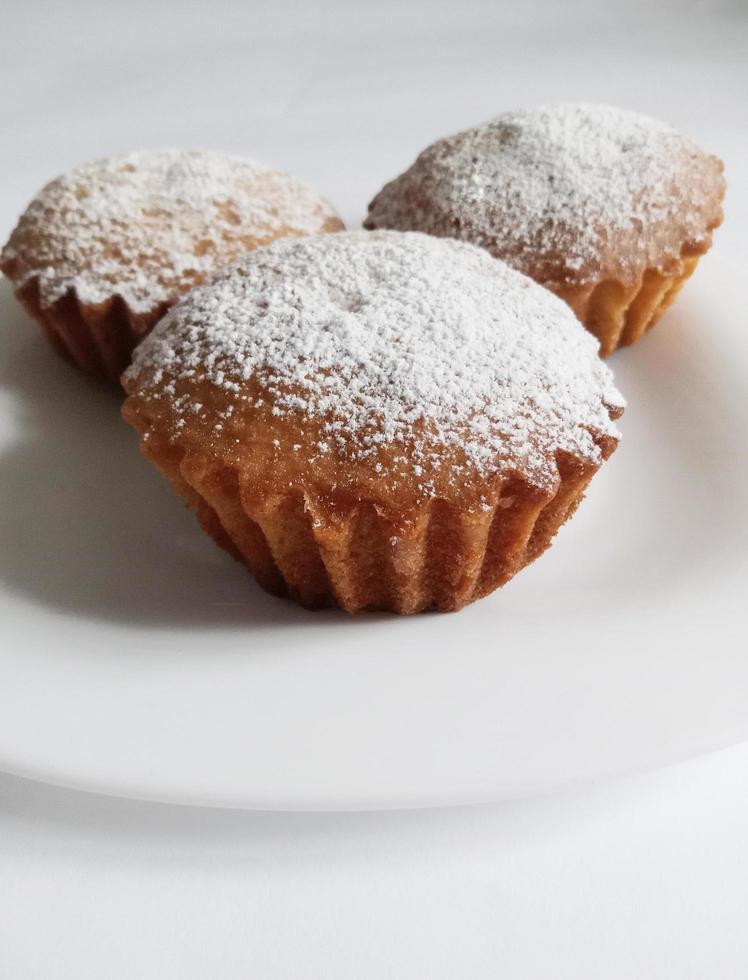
<point>646,877</point>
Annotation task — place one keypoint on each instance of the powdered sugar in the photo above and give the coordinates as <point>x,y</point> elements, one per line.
<point>563,192</point>
<point>148,225</point>
<point>392,338</point>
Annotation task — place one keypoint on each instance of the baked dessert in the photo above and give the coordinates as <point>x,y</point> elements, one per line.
<point>379,421</point>
<point>609,209</point>
<point>102,252</point>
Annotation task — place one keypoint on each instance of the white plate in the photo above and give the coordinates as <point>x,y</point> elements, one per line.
<point>139,660</point>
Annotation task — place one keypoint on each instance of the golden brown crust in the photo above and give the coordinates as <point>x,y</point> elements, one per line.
<point>327,531</point>
<point>325,548</point>
<point>605,208</point>
<point>99,338</point>
<point>620,315</point>
<point>277,456</point>
<point>102,252</point>
<point>27,250</point>
<point>621,259</point>
<point>371,441</point>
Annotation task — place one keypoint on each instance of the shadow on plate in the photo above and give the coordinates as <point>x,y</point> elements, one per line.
<point>87,525</point>
<point>678,504</point>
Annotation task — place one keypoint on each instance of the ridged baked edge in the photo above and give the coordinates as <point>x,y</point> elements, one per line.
<point>619,314</point>
<point>445,558</point>
<point>98,338</point>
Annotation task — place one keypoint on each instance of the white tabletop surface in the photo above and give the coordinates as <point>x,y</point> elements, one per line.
<point>646,877</point>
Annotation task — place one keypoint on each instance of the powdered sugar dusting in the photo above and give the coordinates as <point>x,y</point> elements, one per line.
<point>391,338</point>
<point>562,192</point>
<point>148,225</point>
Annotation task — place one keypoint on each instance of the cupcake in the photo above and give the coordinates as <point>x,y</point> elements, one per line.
<point>609,209</point>
<point>101,253</point>
<point>375,421</point>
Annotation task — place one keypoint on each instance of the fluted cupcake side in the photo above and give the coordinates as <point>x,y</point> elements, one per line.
<point>618,314</point>
<point>98,338</point>
<point>440,557</point>
<point>101,252</point>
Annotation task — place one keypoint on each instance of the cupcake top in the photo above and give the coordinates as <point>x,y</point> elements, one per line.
<point>147,226</point>
<point>399,362</point>
<point>568,193</point>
